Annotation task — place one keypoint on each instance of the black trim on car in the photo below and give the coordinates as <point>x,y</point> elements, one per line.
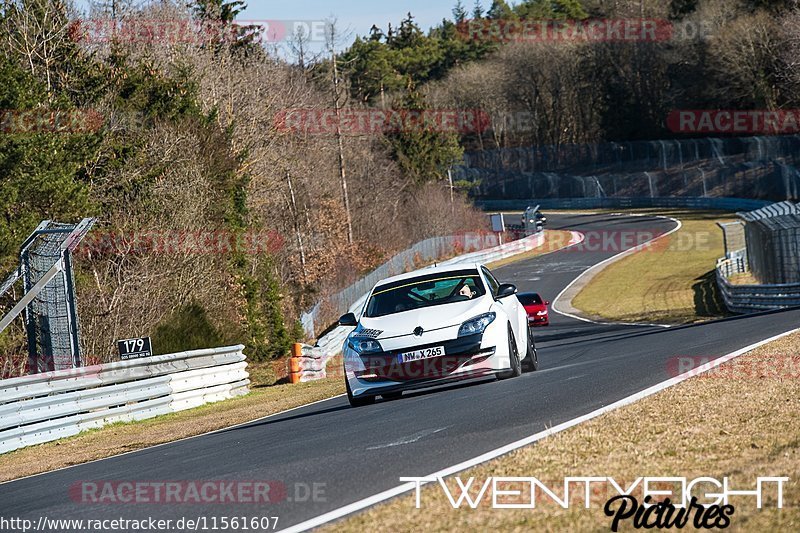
<point>385,366</point>
<point>461,345</point>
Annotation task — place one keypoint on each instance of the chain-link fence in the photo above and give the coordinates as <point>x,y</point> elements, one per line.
<point>734,239</point>
<point>772,238</point>
<point>773,249</point>
<point>51,318</point>
<point>751,167</point>
<point>420,254</point>
<point>50,322</point>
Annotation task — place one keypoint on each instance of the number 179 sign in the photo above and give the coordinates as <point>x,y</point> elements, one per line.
<point>134,348</point>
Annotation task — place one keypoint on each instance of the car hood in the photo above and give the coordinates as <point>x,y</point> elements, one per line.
<point>428,318</point>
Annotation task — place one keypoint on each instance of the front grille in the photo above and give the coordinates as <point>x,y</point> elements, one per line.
<point>385,366</point>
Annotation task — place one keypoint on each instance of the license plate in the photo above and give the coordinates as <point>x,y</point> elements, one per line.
<point>417,355</point>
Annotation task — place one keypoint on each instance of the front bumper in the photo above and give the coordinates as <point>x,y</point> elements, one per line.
<point>474,356</point>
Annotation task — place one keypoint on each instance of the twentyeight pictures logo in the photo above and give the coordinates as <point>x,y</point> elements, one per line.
<point>703,502</point>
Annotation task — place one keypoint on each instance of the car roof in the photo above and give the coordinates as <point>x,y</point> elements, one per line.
<point>430,270</point>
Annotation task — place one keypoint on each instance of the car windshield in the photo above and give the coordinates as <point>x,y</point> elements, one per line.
<point>529,299</point>
<point>425,291</point>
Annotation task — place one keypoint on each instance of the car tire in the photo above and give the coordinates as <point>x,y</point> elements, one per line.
<point>531,361</point>
<point>516,364</point>
<point>357,401</point>
<point>392,395</point>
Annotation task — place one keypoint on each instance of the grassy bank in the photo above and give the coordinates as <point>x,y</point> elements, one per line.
<point>670,282</point>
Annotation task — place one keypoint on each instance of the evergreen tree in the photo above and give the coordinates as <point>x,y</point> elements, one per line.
<point>375,67</point>
<point>569,9</point>
<point>40,170</point>
<point>223,13</point>
<point>409,35</point>
<point>370,67</point>
<point>459,12</point>
<point>551,9</point>
<point>219,10</point>
<point>477,10</point>
<point>376,34</point>
<point>680,8</point>
<point>423,153</point>
<point>500,10</point>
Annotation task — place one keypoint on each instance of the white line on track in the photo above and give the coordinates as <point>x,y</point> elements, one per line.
<point>594,269</point>
<point>493,454</point>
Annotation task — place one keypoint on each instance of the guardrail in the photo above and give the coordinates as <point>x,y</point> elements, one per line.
<point>752,298</point>
<point>45,407</point>
<point>730,204</point>
<point>309,362</point>
<point>732,265</point>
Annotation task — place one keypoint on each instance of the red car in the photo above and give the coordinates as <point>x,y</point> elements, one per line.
<point>536,308</point>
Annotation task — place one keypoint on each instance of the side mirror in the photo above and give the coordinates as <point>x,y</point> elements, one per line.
<point>505,290</point>
<point>348,319</point>
<point>546,303</point>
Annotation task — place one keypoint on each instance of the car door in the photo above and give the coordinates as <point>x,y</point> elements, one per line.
<point>513,309</point>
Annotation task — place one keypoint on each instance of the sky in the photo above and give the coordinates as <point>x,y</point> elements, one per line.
<point>355,16</point>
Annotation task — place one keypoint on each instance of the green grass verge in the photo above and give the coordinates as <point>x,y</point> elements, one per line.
<point>671,282</point>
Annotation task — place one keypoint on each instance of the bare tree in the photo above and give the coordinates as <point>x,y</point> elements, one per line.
<point>300,49</point>
<point>791,54</point>
<point>337,94</point>
<point>747,58</point>
<point>36,30</point>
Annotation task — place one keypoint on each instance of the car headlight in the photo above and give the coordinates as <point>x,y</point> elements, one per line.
<point>365,346</point>
<point>541,313</point>
<point>476,325</point>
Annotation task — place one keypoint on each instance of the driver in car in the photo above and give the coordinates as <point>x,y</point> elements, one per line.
<point>467,291</point>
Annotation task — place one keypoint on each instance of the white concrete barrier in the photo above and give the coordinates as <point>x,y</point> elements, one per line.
<point>44,407</point>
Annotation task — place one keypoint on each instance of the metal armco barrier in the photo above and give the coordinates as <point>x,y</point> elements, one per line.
<point>308,359</point>
<point>732,204</point>
<point>50,406</point>
<point>753,298</point>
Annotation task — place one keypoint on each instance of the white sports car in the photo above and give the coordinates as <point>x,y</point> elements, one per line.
<point>434,326</point>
